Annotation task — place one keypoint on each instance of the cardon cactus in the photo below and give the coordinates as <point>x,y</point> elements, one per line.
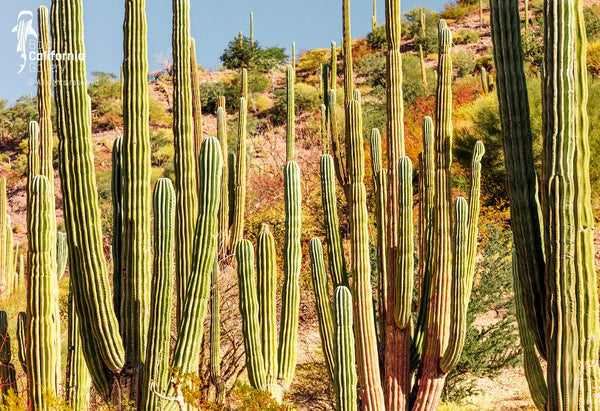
<point>42,354</point>
<point>156,370</point>
<point>117,204</point>
<point>446,251</point>
<point>62,254</point>
<point>22,339</point>
<point>78,381</point>
<point>345,372</point>
<point>4,269</point>
<point>555,260</point>
<point>237,226</point>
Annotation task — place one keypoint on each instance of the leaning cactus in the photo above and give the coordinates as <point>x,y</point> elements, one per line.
<point>555,260</point>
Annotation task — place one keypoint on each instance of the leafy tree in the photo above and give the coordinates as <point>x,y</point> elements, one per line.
<point>243,53</point>
<point>14,120</point>
<point>412,28</point>
<point>377,39</point>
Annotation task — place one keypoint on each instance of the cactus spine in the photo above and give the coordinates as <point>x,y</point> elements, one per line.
<point>8,374</point>
<point>156,367</point>
<point>237,229</point>
<point>559,298</point>
<point>345,372</point>
<point>42,355</point>
<point>186,209</point>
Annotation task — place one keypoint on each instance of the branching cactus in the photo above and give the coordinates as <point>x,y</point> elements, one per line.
<point>554,249</point>
<point>345,372</point>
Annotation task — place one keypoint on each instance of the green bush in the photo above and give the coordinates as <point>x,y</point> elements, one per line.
<point>456,10</point>
<point>490,346</point>
<point>377,39</point>
<point>107,104</point>
<point>591,15</point>
<point>593,58</point>
<point>310,62</point>
<point>209,92</point>
<point>242,53</point>
<point>465,36</point>
<point>308,100</point>
<point>464,63</point>
<point>14,120</point>
<point>412,29</point>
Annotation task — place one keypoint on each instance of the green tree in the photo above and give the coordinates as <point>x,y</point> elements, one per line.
<point>241,52</point>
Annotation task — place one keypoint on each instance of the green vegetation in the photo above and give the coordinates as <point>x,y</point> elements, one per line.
<point>241,52</point>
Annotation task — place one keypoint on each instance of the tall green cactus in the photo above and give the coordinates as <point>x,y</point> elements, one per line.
<point>42,355</point>
<point>8,374</point>
<point>555,267</point>
<point>249,308</point>
<point>186,209</point>
<point>292,261</point>
<point>196,101</point>
<point>345,372</point>
<point>365,332</point>
<point>80,193</point>
<point>266,266</point>
<point>224,207</point>
<point>137,197</point>
<point>215,334</point>
<point>62,254</point>
<point>237,229</point>
<point>187,349</point>
<point>156,366</point>
<point>347,47</point>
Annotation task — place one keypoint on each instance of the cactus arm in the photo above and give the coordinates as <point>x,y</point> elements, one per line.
<point>345,370</point>
<point>531,363</point>
<point>237,229</point>
<point>291,114</point>
<point>33,165</point>
<point>4,283</point>
<point>335,250</point>
<point>22,339</point>
<point>426,194</point>
<point>196,101</point>
<point>187,349</point>
<point>186,210</point>
<point>41,353</point>
<point>292,261</point>
<point>249,309</point>
<point>224,205</point>
<point>396,373</point>
<point>347,46</point>
<point>156,366</point>
<point>324,129</point>
<point>365,333</point>
<point>321,290</point>
<point>266,267</point>
<point>215,334</point>
<point>62,254</point>
<point>406,248</point>
<point>333,68</point>
<point>232,166</point>
<point>80,193</point>
<point>340,166</point>
<point>521,177</point>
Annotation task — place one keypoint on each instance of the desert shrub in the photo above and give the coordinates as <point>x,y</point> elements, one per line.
<point>310,61</point>
<point>307,98</point>
<point>377,39</point>
<point>464,63</point>
<point>107,103</point>
<point>311,388</point>
<point>412,29</point>
<point>456,10</point>
<point>209,92</point>
<point>242,53</point>
<point>593,58</point>
<point>260,104</point>
<point>591,15</point>
<point>251,399</point>
<point>490,345</point>
<point>14,120</point>
<point>159,115</point>
<point>373,69</point>
<point>163,151</point>
<point>465,36</point>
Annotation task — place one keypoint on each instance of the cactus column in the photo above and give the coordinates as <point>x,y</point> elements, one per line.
<point>8,374</point>
<point>136,246</point>
<point>42,380</point>
<point>237,228</point>
<point>186,210</point>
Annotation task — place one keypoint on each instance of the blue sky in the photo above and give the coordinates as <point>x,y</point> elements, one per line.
<point>310,23</point>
